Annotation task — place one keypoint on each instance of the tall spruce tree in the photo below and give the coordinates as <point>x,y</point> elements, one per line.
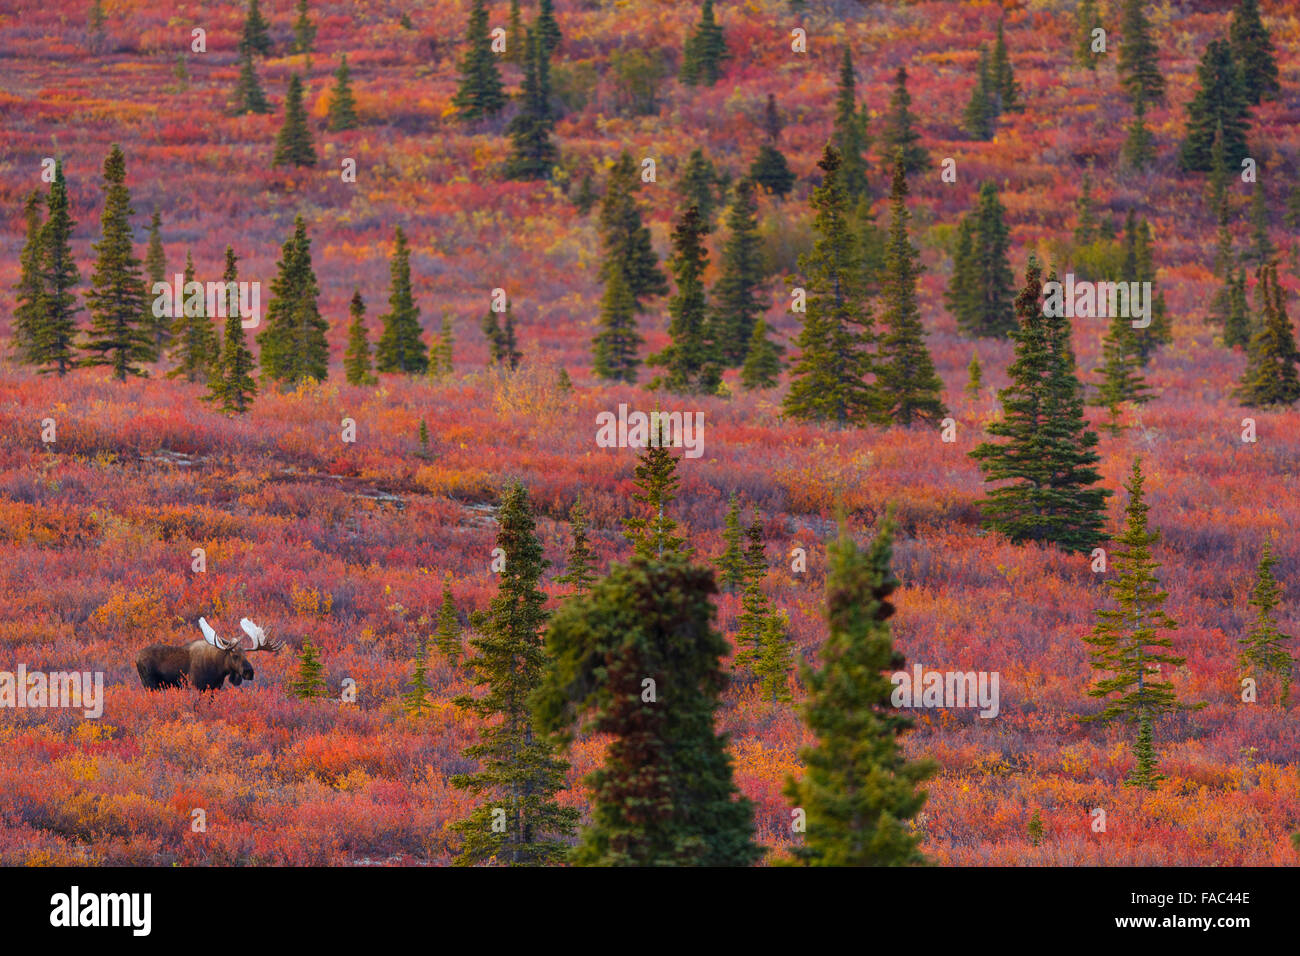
<point>401,345</point>
<point>519,772</point>
<point>982,289</point>
<point>293,144</point>
<point>625,241</point>
<point>1264,649</point>
<point>858,791</point>
<point>356,360</point>
<point>447,636</point>
<point>1270,377</point>
<point>1140,267</point>
<point>195,349</point>
<point>581,570</point>
<point>29,291</point>
<point>691,361</point>
<point>1047,459</point>
<point>755,608</point>
<point>503,348</point>
<point>343,105</point>
<point>155,271</point>
<point>54,336</point>
<point>1252,50</point>
<point>829,379</point>
<point>256,38</point>
<point>705,52</point>
<point>1127,648</point>
<point>911,388</point>
<point>981,109</point>
<point>548,28</point>
<point>899,133</point>
<point>249,97</point>
<point>121,333</point>
<point>1219,103</point>
<point>304,33</point>
<point>762,368</point>
<point>1139,150</point>
<point>1087,19</point>
<point>737,295</point>
<point>516,44</point>
<point>1262,249</point>
<point>770,170</point>
<point>656,480</point>
<point>615,346</point>
<point>416,700</point>
<point>664,794</point>
<point>698,185</point>
<point>532,153</point>
<point>1005,86</point>
<point>292,340</point>
<point>1139,58</point>
<point>233,387</point>
<point>774,661</point>
<point>849,133</point>
<point>481,93</point>
<point>731,563</point>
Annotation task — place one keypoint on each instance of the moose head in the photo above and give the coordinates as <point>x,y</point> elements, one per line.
<point>220,659</point>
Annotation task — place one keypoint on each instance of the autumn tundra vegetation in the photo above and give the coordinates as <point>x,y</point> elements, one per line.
<point>980,313</point>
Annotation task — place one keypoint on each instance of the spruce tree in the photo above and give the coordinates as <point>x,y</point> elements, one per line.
<point>586,196</point>
<point>1047,459</point>
<point>447,636</point>
<point>911,388</point>
<point>698,186</point>
<point>304,33</point>
<point>858,791</point>
<point>625,241</point>
<point>655,479</point>
<point>829,379</point>
<point>29,291</point>
<point>1270,377</point>
<point>770,170</point>
<point>581,570</point>
<point>974,376</point>
<point>195,349</point>
<point>664,793</point>
<point>1139,266</point>
<point>233,387</point>
<point>256,38</point>
<point>292,340</point>
<point>401,345</point>
<point>737,296</point>
<point>52,346</point>
<point>121,332</point>
<point>503,350</point>
<point>356,360</point>
<point>516,44</point>
<point>481,93</point>
<point>899,133</point>
<point>1139,149</point>
<point>343,105</point>
<point>1121,368</point>
<point>982,289</point>
<point>155,271</point>
<point>532,153</point>
<point>249,97</point>
<point>1252,50</point>
<point>755,608</point>
<point>1237,321</point>
<point>774,661</point>
<point>762,368</point>
<point>615,346</point>
<point>293,144</point>
<point>1263,649</point>
<point>1127,648</point>
<point>1139,63</point>
<point>519,772</point>
<point>1262,249</point>
<point>442,359</point>
<point>849,134</point>
<point>548,28</point>
<point>1087,20</point>
<point>690,361</point>
<point>981,109</point>
<point>1003,77</point>
<point>1219,102</point>
<point>731,563</point>
<point>310,682</point>
<point>706,49</point>
<point>416,700</point>
<point>1085,226</point>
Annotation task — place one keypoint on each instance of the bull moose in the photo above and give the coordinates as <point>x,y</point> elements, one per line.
<point>204,663</point>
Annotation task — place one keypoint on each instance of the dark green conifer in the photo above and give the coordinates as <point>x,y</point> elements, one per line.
<point>401,345</point>
<point>356,360</point>
<point>481,93</point>
<point>343,105</point>
<point>293,144</point>
<point>292,339</point>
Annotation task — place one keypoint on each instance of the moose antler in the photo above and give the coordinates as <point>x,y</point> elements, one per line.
<point>210,636</point>
<point>258,637</point>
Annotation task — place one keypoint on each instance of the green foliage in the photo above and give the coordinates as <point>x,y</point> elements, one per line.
<point>981,110</point>
<point>121,334</point>
<point>698,186</point>
<point>249,97</point>
<point>849,134</point>
<point>586,196</point>
<point>1035,829</point>
<point>29,291</point>
<point>1139,58</point>
<point>731,563</point>
<point>1139,149</point>
<point>548,29</point>
<point>416,700</point>
<point>615,346</point>
<point>1087,19</point>
<point>52,340</point>
<point>858,790</point>
<point>503,347</point>
<point>910,385</point>
<point>762,368</point>
<point>899,134</point>
<point>310,682</point>
<point>738,299</point>
<point>656,481</point>
<point>1003,77</point>
<point>292,340</point>
<point>481,93</point>
<point>664,793</point>
<point>829,379</point>
<point>155,271</point>
<point>1252,50</point>
<point>293,145</point>
<point>256,38</point>
<point>638,80</point>
<point>519,773</point>
<point>1219,107</point>
<point>770,170</point>
<point>304,32</point>
<point>343,105</point>
<point>1270,377</point>
<point>705,51</point>
<point>624,239</point>
<point>691,361</point>
<point>1127,648</point>
<point>232,385</point>
<point>974,376</point>
<point>1047,459</point>
<point>356,360</point>
<point>401,345</point>
<point>447,636</point>
<point>194,341</point>
<point>532,153</point>
<point>982,289</point>
<point>774,660</point>
<point>581,570</point>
